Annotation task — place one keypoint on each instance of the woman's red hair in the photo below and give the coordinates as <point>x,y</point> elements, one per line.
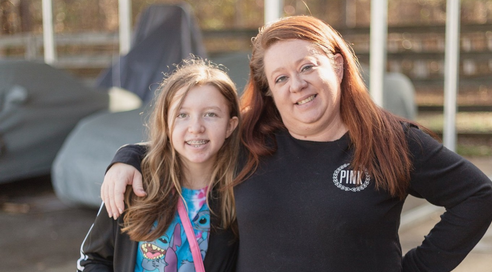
<point>377,136</point>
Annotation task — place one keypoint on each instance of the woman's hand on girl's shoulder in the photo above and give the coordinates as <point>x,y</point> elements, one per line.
<point>117,178</point>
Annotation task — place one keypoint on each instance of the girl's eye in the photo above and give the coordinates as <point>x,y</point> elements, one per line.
<point>211,114</point>
<point>280,79</point>
<point>181,115</point>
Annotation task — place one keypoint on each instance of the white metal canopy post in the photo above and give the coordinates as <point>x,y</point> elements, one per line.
<point>125,15</point>
<point>451,72</point>
<point>377,54</point>
<point>48,33</point>
<point>273,10</point>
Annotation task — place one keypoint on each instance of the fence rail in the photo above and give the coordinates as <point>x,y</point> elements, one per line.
<point>416,51</point>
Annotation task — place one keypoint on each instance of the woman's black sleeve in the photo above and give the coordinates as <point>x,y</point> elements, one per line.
<point>446,179</point>
<point>131,154</point>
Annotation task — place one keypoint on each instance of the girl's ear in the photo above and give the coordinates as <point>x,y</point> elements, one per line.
<point>233,122</point>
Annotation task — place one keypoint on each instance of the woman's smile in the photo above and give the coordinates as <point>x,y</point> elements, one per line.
<point>305,84</point>
<point>306,100</point>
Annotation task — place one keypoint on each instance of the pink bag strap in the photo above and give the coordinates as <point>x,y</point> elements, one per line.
<point>190,233</point>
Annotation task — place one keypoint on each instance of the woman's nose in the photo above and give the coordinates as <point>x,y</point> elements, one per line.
<point>297,83</point>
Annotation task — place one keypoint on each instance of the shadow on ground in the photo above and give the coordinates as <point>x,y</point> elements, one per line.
<point>38,231</point>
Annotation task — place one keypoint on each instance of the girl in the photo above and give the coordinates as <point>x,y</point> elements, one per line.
<point>190,157</point>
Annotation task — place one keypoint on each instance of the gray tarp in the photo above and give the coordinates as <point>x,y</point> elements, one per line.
<point>79,167</point>
<point>164,35</point>
<point>39,106</point>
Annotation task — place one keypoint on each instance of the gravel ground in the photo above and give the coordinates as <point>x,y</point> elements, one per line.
<point>40,233</point>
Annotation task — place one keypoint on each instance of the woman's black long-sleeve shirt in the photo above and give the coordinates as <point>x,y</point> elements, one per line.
<point>303,209</point>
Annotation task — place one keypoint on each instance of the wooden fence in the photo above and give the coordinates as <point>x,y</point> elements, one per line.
<point>416,51</point>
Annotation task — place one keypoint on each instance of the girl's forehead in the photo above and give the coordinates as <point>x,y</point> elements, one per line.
<point>180,93</point>
<point>177,98</point>
<point>202,95</point>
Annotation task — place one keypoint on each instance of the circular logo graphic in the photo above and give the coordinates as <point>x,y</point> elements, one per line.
<point>347,179</point>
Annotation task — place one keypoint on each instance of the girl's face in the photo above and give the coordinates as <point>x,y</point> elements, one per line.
<point>201,125</point>
<point>305,85</point>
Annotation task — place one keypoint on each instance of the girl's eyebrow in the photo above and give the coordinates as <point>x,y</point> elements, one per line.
<point>205,108</point>
<point>213,108</point>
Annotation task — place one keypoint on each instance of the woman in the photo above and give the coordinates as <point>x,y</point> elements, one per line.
<point>327,171</point>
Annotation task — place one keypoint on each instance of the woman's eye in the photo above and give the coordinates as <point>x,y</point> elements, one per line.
<point>280,79</point>
<point>306,68</point>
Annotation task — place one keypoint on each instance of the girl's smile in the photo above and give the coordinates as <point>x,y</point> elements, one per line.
<point>200,125</point>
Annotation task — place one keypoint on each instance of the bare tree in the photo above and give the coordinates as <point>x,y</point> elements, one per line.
<point>25,16</point>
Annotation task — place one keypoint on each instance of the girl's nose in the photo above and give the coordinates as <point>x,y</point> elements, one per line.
<point>297,83</point>
<point>196,126</point>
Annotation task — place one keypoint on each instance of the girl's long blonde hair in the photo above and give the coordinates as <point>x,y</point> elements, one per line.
<point>161,167</point>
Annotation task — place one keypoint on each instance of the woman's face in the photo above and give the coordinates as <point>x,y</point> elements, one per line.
<point>305,84</point>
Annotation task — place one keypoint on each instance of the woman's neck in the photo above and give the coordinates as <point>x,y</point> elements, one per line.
<point>329,133</point>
